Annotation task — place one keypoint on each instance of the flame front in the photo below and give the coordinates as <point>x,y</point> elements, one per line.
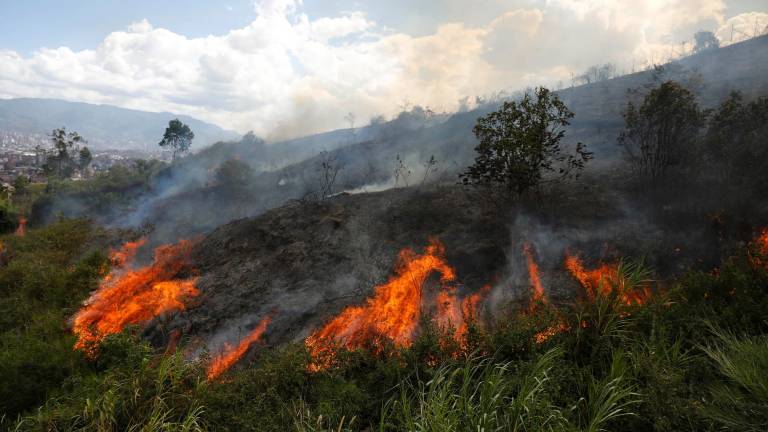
<point>454,313</point>
<point>605,280</point>
<point>538,294</point>
<point>134,296</point>
<point>762,241</point>
<point>232,354</point>
<point>393,311</point>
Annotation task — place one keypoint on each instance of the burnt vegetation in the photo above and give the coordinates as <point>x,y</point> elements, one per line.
<point>501,268</point>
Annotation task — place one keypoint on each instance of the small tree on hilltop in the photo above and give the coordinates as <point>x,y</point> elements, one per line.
<point>178,137</point>
<point>660,134</point>
<point>520,145</point>
<point>705,40</point>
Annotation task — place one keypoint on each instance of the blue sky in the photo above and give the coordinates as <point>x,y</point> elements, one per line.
<point>26,25</point>
<point>289,67</point>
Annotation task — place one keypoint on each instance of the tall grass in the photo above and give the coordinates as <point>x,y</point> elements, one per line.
<point>305,421</point>
<point>609,399</point>
<point>740,401</point>
<point>154,398</point>
<point>480,396</point>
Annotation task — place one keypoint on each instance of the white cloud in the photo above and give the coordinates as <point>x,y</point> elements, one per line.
<point>742,26</point>
<point>287,75</point>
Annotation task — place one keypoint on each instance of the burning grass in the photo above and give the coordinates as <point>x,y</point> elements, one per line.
<point>232,354</point>
<point>538,295</point>
<point>135,296</point>
<point>392,314</point>
<point>608,279</point>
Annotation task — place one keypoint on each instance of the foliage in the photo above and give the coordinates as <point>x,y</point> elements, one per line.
<point>45,276</point>
<point>66,156</point>
<point>178,137</point>
<point>521,143</point>
<point>103,193</point>
<point>705,40</point>
<point>150,394</point>
<point>84,158</point>
<point>661,133</point>
<point>741,401</point>
<point>20,184</point>
<point>478,395</point>
<point>734,141</point>
<point>234,173</point>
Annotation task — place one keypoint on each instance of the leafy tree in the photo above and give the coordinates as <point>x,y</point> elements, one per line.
<point>705,40</point>
<point>520,145</point>
<point>734,143</point>
<point>84,159</point>
<point>178,137</point>
<point>61,159</point>
<point>20,184</point>
<point>250,139</point>
<point>661,133</point>
<point>234,173</point>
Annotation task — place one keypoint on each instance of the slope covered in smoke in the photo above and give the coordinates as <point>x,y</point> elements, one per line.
<point>302,264</point>
<point>176,203</point>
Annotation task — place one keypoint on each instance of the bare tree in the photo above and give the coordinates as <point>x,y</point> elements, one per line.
<point>402,172</point>
<point>430,167</point>
<point>329,169</point>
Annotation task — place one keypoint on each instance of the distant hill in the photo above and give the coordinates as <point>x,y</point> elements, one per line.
<point>104,126</point>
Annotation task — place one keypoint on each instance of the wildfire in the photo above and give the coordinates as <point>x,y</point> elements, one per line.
<point>134,296</point>
<point>544,336</point>
<point>762,241</point>
<point>21,230</point>
<point>454,313</point>
<point>604,280</point>
<point>538,294</point>
<point>232,354</point>
<point>759,256</point>
<point>393,311</point>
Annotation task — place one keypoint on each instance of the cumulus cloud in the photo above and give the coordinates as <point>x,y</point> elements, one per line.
<point>286,75</point>
<point>742,26</point>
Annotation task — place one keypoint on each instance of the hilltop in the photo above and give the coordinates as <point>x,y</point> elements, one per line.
<point>104,126</point>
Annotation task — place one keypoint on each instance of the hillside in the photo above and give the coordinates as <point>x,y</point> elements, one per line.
<point>104,126</point>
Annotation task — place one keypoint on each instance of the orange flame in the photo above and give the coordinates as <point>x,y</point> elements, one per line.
<point>545,335</point>
<point>538,294</point>
<point>454,313</point>
<point>604,280</point>
<point>128,296</point>
<point>232,354</point>
<point>392,312</point>
<point>759,252</point>
<point>762,241</point>
<point>21,230</point>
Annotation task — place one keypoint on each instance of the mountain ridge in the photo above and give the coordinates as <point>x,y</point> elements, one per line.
<point>104,126</point>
